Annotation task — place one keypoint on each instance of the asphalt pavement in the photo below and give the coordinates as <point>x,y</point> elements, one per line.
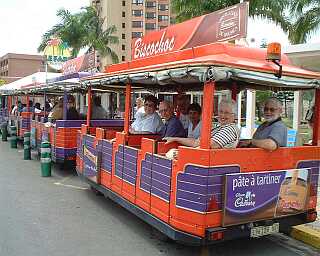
<point>61,216</point>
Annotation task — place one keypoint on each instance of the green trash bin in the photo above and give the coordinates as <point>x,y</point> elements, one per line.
<point>26,146</point>
<point>13,137</point>
<point>4,131</point>
<point>45,159</point>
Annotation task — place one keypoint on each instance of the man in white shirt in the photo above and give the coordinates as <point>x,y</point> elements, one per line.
<point>150,121</point>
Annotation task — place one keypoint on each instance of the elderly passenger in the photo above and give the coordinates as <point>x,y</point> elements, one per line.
<point>98,112</point>
<point>271,134</point>
<point>194,128</point>
<point>172,127</point>
<point>225,135</point>
<point>182,109</point>
<point>150,121</point>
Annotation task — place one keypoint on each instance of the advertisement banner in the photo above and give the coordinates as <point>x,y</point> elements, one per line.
<point>265,195</point>
<point>83,63</point>
<point>90,160</point>
<point>220,26</point>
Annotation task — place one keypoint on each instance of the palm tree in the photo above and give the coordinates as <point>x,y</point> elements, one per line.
<point>96,37</point>
<point>83,29</point>
<point>305,20</point>
<point>272,10</point>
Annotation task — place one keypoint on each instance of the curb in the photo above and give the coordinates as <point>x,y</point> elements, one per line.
<point>307,235</point>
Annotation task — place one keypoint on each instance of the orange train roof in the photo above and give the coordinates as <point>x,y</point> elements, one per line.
<point>217,54</point>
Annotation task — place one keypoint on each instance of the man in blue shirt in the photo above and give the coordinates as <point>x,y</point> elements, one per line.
<point>173,126</point>
<point>271,134</point>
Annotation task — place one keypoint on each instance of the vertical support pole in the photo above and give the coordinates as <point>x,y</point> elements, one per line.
<point>239,108</point>
<point>65,104</point>
<point>89,107</point>
<point>45,100</point>
<point>28,104</point>
<point>234,92</point>
<point>127,109</point>
<point>316,120</point>
<point>208,105</point>
<point>10,104</point>
<point>251,110</point>
<point>297,107</point>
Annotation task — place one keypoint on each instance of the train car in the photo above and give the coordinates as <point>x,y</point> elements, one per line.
<point>204,195</point>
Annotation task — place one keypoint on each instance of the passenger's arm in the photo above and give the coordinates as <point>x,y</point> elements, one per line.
<point>267,144</point>
<point>190,142</point>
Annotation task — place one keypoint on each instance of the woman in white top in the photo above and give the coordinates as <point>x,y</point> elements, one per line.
<point>194,128</point>
<point>150,121</point>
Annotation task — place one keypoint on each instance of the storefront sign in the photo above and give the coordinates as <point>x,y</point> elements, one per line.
<point>223,25</point>
<point>264,195</point>
<point>57,52</point>
<point>83,63</point>
<point>90,162</point>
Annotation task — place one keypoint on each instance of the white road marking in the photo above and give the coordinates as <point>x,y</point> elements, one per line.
<point>69,186</point>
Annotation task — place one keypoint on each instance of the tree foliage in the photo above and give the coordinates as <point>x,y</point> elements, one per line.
<point>81,30</point>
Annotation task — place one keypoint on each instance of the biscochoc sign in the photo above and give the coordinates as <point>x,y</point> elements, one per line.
<point>223,25</point>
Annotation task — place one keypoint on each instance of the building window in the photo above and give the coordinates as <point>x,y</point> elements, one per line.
<point>123,25</point>
<point>123,47</point>
<point>123,36</point>
<point>150,4</point>
<point>163,7</point>
<point>137,24</point>
<point>150,15</point>
<point>123,14</point>
<point>163,18</point>
<point>136,34</point>
<point>123,58</point>
<point>137,2</point>
<point>123,3</point>
<point>150,26</point>
<point>137,13</point>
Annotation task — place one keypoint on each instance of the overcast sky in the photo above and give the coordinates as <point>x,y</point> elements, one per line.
<point>24,21</point>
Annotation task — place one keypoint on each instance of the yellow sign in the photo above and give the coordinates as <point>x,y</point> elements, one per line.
<point>57,53</point>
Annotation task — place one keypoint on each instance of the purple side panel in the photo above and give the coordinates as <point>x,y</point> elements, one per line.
<point>79,146</point>
<point>161,177</point>
<point>119,162</point>
<point>198,186</point>
<point>315,169</point>
<point>156,176</point>
<point>130,165</point>
<point>146,170</point>
<point>93,123</point>
<point>106,155</point>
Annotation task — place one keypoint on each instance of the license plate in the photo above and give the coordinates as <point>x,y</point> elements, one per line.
<point>264,230</point>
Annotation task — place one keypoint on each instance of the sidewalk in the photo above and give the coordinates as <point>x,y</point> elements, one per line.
<point>309,233</point>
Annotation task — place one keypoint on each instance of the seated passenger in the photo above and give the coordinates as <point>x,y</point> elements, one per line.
<point>150,122</point>
<point>57,111</point>
<point>225,135</point>
<point>98,112</point>
<point>172,127</point>
<point>271,134</point>
<point>194,128</point>
<point>182,110</point>
<point>30,109</point>
<point>72,113</point>
<point>37,108</point>
<point>138,109</point>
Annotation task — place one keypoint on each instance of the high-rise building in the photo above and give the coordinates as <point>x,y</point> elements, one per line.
<point>15,66</point>
<point>133,19</point>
